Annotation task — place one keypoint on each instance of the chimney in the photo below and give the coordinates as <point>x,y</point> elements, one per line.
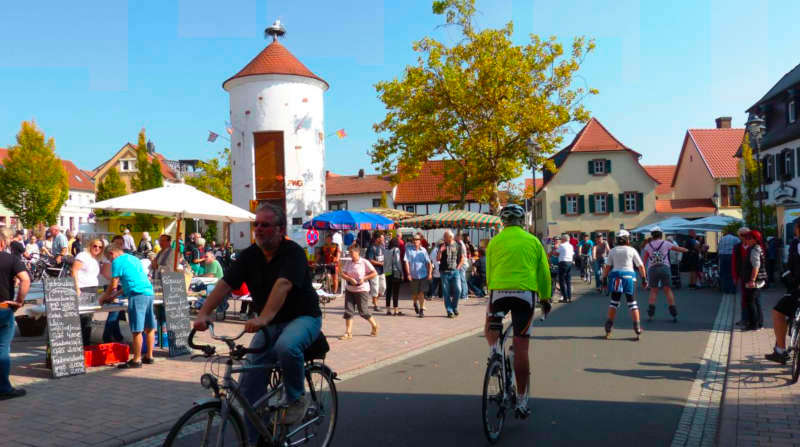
<point>360,173</point>
<point>151,148</point>
<point>723,122</point>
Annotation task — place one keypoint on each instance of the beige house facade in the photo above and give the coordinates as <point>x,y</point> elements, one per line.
<point>599,187</point>
<point>124,161</point>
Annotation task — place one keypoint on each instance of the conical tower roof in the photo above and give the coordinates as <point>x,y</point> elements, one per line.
<point>275,59</point>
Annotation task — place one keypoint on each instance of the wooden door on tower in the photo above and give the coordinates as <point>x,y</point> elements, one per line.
<point>269,166</point>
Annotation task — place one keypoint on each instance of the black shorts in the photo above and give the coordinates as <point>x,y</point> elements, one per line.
<point>521,307</point>
<point>788,305</point>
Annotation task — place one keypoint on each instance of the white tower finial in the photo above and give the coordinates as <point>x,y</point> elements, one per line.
<point>275,30</point>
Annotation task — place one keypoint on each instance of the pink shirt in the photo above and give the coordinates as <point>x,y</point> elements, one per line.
<point>358,270</point>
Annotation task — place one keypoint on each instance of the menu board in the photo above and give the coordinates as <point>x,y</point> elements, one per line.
<point>63,327</point>
<point>176,310</point>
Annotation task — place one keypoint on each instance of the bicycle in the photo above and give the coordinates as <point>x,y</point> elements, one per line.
<point>499,387</point>
<point>794,344</point>
<point>217,421</point>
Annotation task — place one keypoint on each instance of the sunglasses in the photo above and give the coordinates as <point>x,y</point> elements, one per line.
<point>264,225</point>
<point>97,246</point>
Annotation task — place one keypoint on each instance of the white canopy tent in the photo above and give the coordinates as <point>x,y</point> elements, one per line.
<point>669,225</point>
<point>179,201</point>
<point>710,223</point>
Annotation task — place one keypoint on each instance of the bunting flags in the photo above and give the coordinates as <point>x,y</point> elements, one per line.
<point>212,137</point>
<point>341,133</point>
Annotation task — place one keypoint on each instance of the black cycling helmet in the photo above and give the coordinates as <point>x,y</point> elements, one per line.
<point>512,215</point>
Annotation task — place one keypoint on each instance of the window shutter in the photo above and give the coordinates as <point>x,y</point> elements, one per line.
<point>790,164</point>
<point>610,203</point>
<point>797,159</point>
<point>591,167</point>
<point>772,172</point>
<point>591,203</point>
<point>608,166</point>
<point>639,201</point>
<point>581,205</point>
<point>724,200</point>
<point>563,204</point>
<point>780,165</point>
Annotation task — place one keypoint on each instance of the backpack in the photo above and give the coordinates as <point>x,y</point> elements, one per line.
<point>657,257</point>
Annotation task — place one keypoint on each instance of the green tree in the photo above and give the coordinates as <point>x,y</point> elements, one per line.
<point>148,176</point>
<point>384,200</point>
<point>111,186</point>
<point>483,103</point>
<point>216,176</point>
<point>750,173</point>
<point>33,182</point>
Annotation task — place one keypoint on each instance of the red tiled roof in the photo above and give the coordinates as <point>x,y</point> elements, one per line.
<point>539,183</point>
<point>165,170</point>
<point>275,59</point>
<point>78,180</point>
<point>718,148</point>
<point>353,184</point>
<point>426,187</point>
<point>663,175</point>
<point>594,137</point>
<point>675,206</point>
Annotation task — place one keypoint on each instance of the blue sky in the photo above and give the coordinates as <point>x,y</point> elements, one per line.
<point>92,73</point>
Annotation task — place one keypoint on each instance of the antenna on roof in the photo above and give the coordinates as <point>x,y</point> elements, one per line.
<point>275,30</point>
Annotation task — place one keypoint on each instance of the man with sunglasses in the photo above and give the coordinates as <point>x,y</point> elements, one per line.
<point>289,319</point>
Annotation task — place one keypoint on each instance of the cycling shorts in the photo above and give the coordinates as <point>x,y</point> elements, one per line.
<point>521,305</point>
<point>788,304</point>
<point>621,282</point>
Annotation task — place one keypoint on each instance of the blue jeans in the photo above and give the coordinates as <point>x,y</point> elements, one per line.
<point>111,332</point>
<point>475,284</point>
<point>565,279</point>
<point>464,288</point>
<point>6,335</point>
<point>435,287</point>
<point>451,289</point>
<point>287,342</point>
<point>598,269</point>
<point>726,275</point>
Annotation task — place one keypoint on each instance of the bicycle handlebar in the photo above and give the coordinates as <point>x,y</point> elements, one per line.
<point>236,350</point>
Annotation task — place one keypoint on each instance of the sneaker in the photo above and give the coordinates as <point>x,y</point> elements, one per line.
<point>421,314</point>
<point>294,412</point>
<point>16,392</point>
<point>449,315</point>
<point>777,358</point>
<point>455,312</point>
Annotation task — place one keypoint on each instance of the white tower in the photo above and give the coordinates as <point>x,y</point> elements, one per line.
<point>278,136</point>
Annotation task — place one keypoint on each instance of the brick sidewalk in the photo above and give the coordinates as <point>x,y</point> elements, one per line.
<point>111,407</point>
<point>760,406</point>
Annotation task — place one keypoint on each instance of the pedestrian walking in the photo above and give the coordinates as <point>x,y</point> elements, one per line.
<point>419,271</point>
<point>754,278</point>
<point>376,255</point>
<point>656,260</point>
<point>435,287</point>
<point>11,269</point>
<point>691,260</point>
<point>357,272</point>
<point>737,261</point>
<point>393,271</point>
<point>566,254</point>
<point>462,272</point>
<point>725,253</point>
<point>450,258</point>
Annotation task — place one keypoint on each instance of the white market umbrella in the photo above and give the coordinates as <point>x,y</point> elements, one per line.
<point>710,223</point>
<point>180,201</point>
<point>668,225</point>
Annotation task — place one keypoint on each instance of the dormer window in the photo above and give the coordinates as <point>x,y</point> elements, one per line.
<point>127,165</point>
<point>599,167</point>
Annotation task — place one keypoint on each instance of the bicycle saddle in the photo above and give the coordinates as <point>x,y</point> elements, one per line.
<point>318,349</point>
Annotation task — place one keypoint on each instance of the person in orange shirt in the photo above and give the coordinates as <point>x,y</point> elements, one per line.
<point>330,257</point>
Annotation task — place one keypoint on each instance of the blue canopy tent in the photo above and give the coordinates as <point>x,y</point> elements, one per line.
<point>349,220</point>
<point>710,223</point>
<point>669,225</point>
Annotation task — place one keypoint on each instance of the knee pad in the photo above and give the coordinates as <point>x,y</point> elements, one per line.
<point>673,310</point>
<point>615,297</point>
<point>651,310</point>
<point>632,304</point>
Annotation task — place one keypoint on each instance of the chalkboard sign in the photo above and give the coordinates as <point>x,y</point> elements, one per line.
<point>63,327</point>
<point>176,309</point>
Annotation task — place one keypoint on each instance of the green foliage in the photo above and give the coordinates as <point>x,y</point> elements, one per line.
<point>751,179</point>
<point>33,182</point>
<point>111,186</point>
<point>479,103</point>
<point>384,200</point>
<point>732,227</point>
<point>211,232</point>
<point>148,176</point>
<point>216,176</point>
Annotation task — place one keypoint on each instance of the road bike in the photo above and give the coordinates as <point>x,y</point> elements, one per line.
<point>219,421</point>
<point>499,386</point>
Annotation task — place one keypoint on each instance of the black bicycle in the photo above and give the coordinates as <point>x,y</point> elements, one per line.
<point>218,422</point>
<point>794,344</point>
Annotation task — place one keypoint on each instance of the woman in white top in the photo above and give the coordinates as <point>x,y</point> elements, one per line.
<point>357,272</point>
<point>566,253</point>
<point>85,272</point>
<point>622,279</point>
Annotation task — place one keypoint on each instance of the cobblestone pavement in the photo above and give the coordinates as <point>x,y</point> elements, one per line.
<point>108,406</point>
<point>760,407</point>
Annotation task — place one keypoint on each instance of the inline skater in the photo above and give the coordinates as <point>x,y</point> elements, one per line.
<point>622,279</point>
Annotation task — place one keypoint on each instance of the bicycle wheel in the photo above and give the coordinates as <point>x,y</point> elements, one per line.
<point>795,347</point>
<point>323,408</point>
<point>200,427</point>
<point>494,407</point>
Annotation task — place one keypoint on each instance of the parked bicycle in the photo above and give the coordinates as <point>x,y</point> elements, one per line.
<point>217,421</point>
<point>499,386</point>
<point>710,275</point>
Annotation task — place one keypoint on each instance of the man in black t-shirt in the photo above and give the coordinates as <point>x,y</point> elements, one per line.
<point>17,246</point>
<point>289,318</point>
<point>11,268</point>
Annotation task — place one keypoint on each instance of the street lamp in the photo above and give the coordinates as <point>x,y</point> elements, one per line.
<point>533,149</point>
<point>756,128</point>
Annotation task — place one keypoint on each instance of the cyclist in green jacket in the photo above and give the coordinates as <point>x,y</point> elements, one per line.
<point>518,275</point>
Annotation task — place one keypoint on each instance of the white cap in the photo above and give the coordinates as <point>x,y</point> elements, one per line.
<point>656,229</point>
<point>623,233</point>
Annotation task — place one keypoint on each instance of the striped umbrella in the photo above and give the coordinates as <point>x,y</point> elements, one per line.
<point>454,219</point>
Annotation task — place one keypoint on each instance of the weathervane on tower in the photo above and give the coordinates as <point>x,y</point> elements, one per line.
<point>275,30</point>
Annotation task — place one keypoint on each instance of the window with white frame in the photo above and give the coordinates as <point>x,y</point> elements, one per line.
<point>411,208</point>
<point>601,203</point>
<point>630,202</point>
<point>792,112</point>
<point>376,203</point>
<point>599,167</point>
<point>572,204</point>
<point>127,165</point>
<point>336,205</point>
